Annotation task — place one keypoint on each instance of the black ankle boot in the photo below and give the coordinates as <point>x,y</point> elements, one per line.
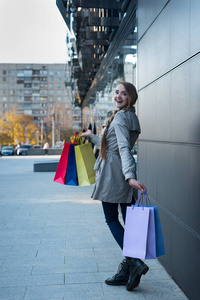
<point>121,278</point>
<point>137,269</point>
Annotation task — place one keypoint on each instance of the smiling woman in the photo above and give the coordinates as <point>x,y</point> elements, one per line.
<point>116,184</point>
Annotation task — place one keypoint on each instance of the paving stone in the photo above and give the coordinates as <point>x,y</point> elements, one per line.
<point>14,293</point>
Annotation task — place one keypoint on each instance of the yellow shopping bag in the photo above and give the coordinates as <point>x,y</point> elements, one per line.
<point>85,161</point>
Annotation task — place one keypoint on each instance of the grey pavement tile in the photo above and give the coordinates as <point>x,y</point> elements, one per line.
<point>82,277</point>
<point>17,263</point>
<point>163,289</point>
<point>12,270</point>
<point>16,293</point>
<point>154,274</point>
<point>120,291</point>
<point>27,241</point>
<point>80,265</point>
<point>48,259</point>
<point>71,292</point>
<point>48,269</point>
<point>24,281</point>
<point>76,252</point>
<point>125,296</point>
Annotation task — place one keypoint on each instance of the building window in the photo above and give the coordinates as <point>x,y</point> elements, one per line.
<point>20,73</point>
<point>43,72</point>
<point>20,99</point>
<point>27,78</point>
<point>51,92</point>
<point>59,92</point>
<point>59,79</point>
<point>27,85</point>
<point>12,85</point>
<point>4,72</point>
<point>50,78</point>
<point>4,92</point>
<point>12,78</point>
<point>43,92</point>
<point>28,72</point>
<point>12,92</point>
<point>4,105</point>
<point>59,86</point>
<point>35,85</point>
<point>59,99</point>
<point>4,86</point>
<point>4,79</point>
<point>4,99</point>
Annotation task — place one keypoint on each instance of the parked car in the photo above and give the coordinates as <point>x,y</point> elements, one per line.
<point>22,149</point>
<point>7,150</point>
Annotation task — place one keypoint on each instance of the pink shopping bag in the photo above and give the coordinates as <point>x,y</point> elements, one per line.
<point>139,234</point>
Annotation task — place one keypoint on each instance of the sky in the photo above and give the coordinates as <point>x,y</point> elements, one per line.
<point>32,31</point>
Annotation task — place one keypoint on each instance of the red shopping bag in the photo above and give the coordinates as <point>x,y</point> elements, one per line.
<point>62,165</point>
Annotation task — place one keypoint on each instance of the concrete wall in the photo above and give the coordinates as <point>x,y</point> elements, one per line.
<point>168,109</point>
<point>42,152</point>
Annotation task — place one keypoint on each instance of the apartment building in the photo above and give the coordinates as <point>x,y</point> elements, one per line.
<point>42,91</point>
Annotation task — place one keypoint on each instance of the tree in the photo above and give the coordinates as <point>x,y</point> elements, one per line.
<point>17,128</point>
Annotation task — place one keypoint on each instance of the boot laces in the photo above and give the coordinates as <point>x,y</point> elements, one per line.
<point>121,266</point>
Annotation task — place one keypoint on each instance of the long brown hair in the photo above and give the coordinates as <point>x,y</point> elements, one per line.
<point>132,98</point>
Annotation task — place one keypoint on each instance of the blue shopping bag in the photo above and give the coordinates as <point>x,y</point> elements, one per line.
<point>71,173</point>
<point>160,248</point>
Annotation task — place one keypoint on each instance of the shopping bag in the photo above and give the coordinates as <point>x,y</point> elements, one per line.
<point>144,200</point>
<point>85,161</point>
<point>160,247</point>
<point>62,165</point>
<point>71,173</point>
<point>139,233</point>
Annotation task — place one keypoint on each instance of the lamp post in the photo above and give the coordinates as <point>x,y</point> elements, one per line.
<point>37,137</point>
<point>41,132</point>
<point>53,128</point>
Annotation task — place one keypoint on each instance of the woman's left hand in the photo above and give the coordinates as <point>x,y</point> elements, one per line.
<point>137,185</point>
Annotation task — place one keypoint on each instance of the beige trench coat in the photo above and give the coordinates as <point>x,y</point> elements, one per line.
<point>111,175</point>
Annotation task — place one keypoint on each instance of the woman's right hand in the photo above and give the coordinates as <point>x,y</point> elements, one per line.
<point>137,185</point>
<point>87,133</point>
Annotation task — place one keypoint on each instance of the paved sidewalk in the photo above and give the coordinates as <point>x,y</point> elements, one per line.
<point>54,243</point>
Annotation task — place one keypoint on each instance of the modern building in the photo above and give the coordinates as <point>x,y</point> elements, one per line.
<point>42,91</point>
<point>156,46</point>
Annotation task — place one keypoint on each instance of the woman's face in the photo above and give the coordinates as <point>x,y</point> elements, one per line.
<point>120,97</point>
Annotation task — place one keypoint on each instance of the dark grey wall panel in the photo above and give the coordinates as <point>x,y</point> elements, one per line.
<point>195,26</point>
<point>194,99</point>
<point>180,30</point>
<point>162,41</point>
<point>169,145</point>
<point>194,179</point>
<point>147,12</point>
<point>180,87</point>
<point>163,107</point>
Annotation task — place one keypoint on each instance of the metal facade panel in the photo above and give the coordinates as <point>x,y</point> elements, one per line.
<point>194,26</point>
<point>169,146</point>
<point>180,31</point>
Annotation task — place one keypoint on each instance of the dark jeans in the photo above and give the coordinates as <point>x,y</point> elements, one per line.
<point>111,214</point>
